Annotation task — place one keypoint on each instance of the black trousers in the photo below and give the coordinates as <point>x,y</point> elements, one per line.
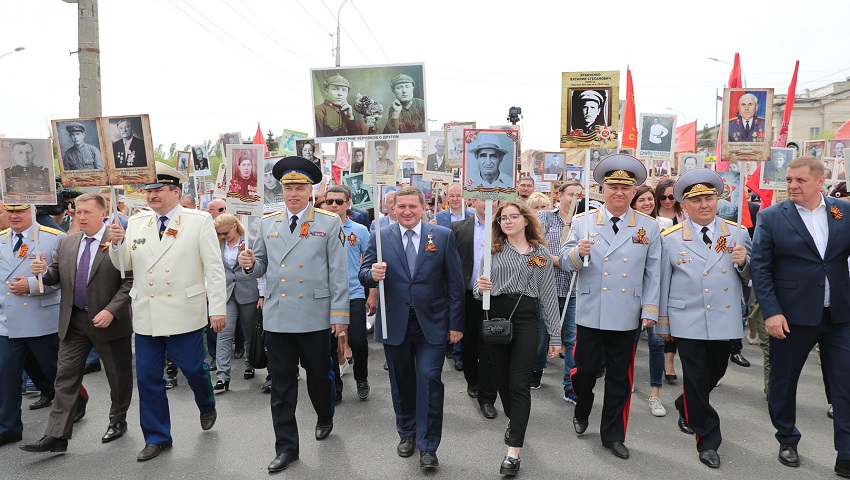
<point>313,350</point>
<point>617,350</point>
<point>477,364</point>
<point>357,338</point>
<point>512,362</point>
<point>704,363</point>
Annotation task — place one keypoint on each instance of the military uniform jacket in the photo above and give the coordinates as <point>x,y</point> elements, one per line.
<point>173,277</point>
<point>35,314</point>
<point>27,179</point>
<point>621,285</point>
<point>701,287</point>
<point>306,272</point>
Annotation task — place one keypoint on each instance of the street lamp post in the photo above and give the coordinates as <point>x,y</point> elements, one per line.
<point>743,75</point>
<point>13,51</point>
<point>684,119</point>
<point>337,31</point>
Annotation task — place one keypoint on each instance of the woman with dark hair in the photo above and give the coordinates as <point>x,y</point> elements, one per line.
<point>666,206</point>
<point>521,276</point>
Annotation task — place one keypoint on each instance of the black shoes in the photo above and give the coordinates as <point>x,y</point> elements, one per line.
<point>617,448</point>
<point>170,383</point>
<point>510,466</point>
<point>683,426</point>
<point>406,447</point>
<point>322,431</point>
<point>829,412</point>
<point>842,468</point>
<point>150,451</point>
<point>536,377</point>
<point>710,458</point>
<point>249,373</point>
<point>428,460</point>
<point>386,367</point>
<point>472,391</point>
<point>363,389</point>
<point>459,365</point>
<point>788,455</point>
<point>281,461</point>
<point>42,402</point>
<point>114,431</point>
<point>338,398</point>
<point>580,425</point>
<point>739,359</point>
<point>266,387</point>
<point>488,410</point>
<point>670,378</point>
<point>47,444</point>
<point>208,419</point>
<point>11,439</point>
<point>221,386</point>
<point>91,367</point>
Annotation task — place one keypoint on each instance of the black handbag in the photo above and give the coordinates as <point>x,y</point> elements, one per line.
<point>257,348</point>
<point>500,331</point>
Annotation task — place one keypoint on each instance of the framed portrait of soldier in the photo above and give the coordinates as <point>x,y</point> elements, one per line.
<point>287,147</point>
<point>772,176</point>
<point>129,149</point>
<point>201,160</point>
<point>553,166</point>
<point>453,133</point>
<point>589,109</point>
<point>657,136</point>
<point>381,158</point>
<point>361,192</point>
<point>358,160</point>
<point>232,138</point>
<point>28,175</point>
<point>595,155</point>
<point>79,145</point>
<point>408,167</point>
<point>537,159</point>
<point>369,102</point>
<point>829,173</point>
<point>729,200</point>
<point>385,189</point>
<point>840,170</point>
<point>814,148</point>
<point>309,149</point>
<point>184,162</point>
<point>417,181</point>
<point>272,189</point>
<point>747,116</point>
<point>573,173</point>
<point>836,147</point>
<point>690,161</point>
<point>489,164</point>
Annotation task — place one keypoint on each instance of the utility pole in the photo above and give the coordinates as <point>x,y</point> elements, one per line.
<point>88,52</point>
<point>337,32</point>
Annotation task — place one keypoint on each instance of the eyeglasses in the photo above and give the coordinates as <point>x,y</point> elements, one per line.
<point>666,197</point>
<point>220,210</point>
<point>514,217</point>
<point>338,201</point>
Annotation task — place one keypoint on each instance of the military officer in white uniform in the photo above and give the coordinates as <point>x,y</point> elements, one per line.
<point>617,293</point>
<point>700,307</point>
<point>29,314</point>
<point>301,251</point>
<point>177,269</point>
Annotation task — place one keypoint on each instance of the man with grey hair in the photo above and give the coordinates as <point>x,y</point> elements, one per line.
<point>746,126</point>
<point>188,201</point>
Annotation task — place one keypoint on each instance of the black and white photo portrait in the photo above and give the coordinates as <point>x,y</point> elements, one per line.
<point>436,160</point>
<point>79,141</point>
<point>358,159</point>
<point>309,149</point>
<point>490,165</point>
<point>553,166</point>
<point>690,161</point>
<point>27,170</point>
<point>837,146</point>
<point>128,142</point>
<point>183,161</point>
<point>590,109</point>
<point>773,170</point>
<point>383,154</point>
<point>201,160</point>
<point>360,194</point>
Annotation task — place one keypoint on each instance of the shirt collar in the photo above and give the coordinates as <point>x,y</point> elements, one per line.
<point>710,226</point>
<point>608,214</point>
<point>801,208</point>
<point>300,214</point>
<point>25,233</point>
<point>170,214</point>
<point>98,235</point>
<point>417,230</point>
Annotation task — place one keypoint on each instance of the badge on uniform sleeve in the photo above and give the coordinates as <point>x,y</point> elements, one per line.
<point>352,239</point>
<point>640,237</point>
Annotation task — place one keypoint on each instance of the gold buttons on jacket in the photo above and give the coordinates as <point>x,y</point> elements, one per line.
<point>151,295</point>
<point>623,290</point>
<point>300,265</point>
<point>300,296</point>
<point>605,274</point>
<point>708,307</point>
<point>150,271</point>
<point>625,275</point>
<point>168,282</point>
<point>167,270</point>
<point>726,289</point>
<point>723,272</point>
<point>282,295</point>
<point>604,289</point>
<point>706,290</point>
<point>26,304</point>
<point>7,282</point>
<point>727,306</point>
<point>7,294</point>
<point>282,280</point>
<point>282,266</point>
<point>625,260</point>
<point>606,259</point>
<point>150,284</point>
<point>169,295</point>
<point>300,281</point>
<point>704,274</point>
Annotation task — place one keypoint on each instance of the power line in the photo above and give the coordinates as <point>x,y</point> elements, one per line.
<point>347,34</point>
<point>289,47</point>
<point>370,32</point>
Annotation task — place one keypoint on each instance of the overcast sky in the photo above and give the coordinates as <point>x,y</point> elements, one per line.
<point>204,67</point>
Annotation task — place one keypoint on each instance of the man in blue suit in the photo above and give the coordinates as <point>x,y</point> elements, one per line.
<point>800,276</point>
<point>425,281</point>
<point>456,211</point>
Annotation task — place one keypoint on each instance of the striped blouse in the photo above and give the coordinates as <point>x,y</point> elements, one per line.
<point>510,272</point>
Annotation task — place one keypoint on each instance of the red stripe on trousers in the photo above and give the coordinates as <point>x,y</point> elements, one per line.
<point>629,396</point>
<point>685,404</point>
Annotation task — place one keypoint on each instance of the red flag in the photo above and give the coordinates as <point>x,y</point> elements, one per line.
<point>629,123</point>
<point>686,137</point>
<point>735,74</point>
<point>843,131</point>
<point>259,139</point>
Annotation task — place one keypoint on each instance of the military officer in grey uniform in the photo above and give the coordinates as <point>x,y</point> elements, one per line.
<point>617,293</point>
<point>700,306</point>
<point>29,314</point>
<point>306,302</point>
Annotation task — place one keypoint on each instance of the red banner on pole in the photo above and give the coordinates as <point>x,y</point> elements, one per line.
<point>686,137</point>
<point>630,132</point>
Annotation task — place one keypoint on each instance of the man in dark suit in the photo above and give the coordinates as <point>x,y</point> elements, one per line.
<point>477,367</point>
<point>746,126</point>
<point>799,270</point>
<point>94,310</point>
<point>436,161</point>
<point>129,152</point>
<point>425,282</point>
<point>456,211</point>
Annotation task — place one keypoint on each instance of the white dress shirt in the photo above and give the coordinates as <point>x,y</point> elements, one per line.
<point>416,236</point>
<point>92,248</point>
<point>818,227</point>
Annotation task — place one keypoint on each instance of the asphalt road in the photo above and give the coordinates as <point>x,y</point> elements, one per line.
<point>362,445</point>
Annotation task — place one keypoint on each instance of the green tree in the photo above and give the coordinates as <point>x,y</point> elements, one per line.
<point>172,151</point>
<point>271,141</point>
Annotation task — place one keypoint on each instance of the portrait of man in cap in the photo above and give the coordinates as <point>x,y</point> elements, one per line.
<point>384,154</point>
<point>406,114</point>
<point>589,110</point>
<point>129,149</point>
<point>80,155</point>
<point>335,116</point>
<point>484,159</point>
<point>359,195</point>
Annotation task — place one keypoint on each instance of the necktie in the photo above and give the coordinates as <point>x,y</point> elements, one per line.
<point>292,223</point>
<point>162,221</point>
<point>705,237</point>
<point>614,220</point>
<point>410,252</point>
<point>747,126</point>
<point>18,243</point>
<point>82,277</point>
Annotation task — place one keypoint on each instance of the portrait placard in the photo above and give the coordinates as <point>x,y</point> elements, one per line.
<point>224,139</point>
<point>287,147</point>
<point>657,135</point>
<point>383,155</point>
<point>814,148</point>
<point>272,189</point>
<point>79,145</point>
<point>489,164</point>
<point>829,172</point>
<point>184,162</point>
<point>385,189</point>
<point>374,102</point>
<point>417,181</point>
<point>361,192</point>
<point>437,167</point>
<point>840,170</point>
<point>553,166</point>
<point>309,149</point>
<point>28,176</point>
<point>596,155</point>
<point>748,113</point>
<point>453,135</point>
<point>358,160</point>
<point>243,197</point>
<point>574,173</point>
<point>729,200</point>
<point>129,149</point>
<point>408,167</point>
<point>837,146</point>
<point>221,181</point>
<point>689,161</point>
<point>589,112</point>
<point>201,160</point>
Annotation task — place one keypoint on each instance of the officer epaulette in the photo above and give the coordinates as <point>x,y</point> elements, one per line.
<point>730,222</point>
<point>645,215</point>
<point>54,231</point>
<point>4,231</point>
<point>271,214</point>
<point>672,229</point>
<point>325,212</point>
<point>585,213</point>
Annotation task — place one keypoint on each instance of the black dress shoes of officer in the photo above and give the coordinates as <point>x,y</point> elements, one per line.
<point>488,410</point>
<point>617,448</point>
<point>406,447</point>
<point>739,359</point>
<point>47,444</point>
<point>842,468</point>
<point>580,425</point>
<point>281,461</point>
<point>710,458</point>
<point>683,426</point>
<point>10,439</point>
<point>208,419</point>
<point>428,460</point>
<point>472,391</point>
<point>170,383</point>
<point>510,466</point>
<point>322,431</point>
<point>150,451</point>
<point>114,431</point>
<point>42,402</point>
<point>788,455</point>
